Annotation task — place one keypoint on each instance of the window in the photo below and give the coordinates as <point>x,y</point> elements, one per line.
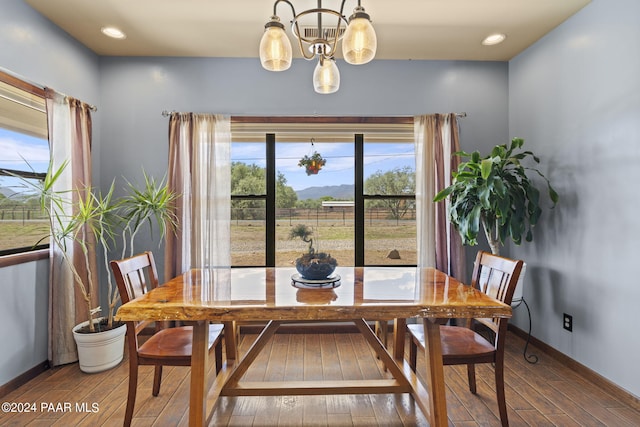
<point>322,199</point>
<point>389,203</point>
<point>360,205</point>
<point>248,204</point>
<point>24,155</point>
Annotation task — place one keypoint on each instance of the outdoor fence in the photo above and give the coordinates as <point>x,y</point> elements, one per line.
<point>320,216</point>
<point>21,213</point>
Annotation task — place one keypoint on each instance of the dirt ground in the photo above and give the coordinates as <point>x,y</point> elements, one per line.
<point>375,253</point>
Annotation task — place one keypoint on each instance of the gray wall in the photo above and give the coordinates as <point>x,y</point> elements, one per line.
<point>135,91</point>
<point>23,318</point>
<point>575,98</point>
<point>40,52</point>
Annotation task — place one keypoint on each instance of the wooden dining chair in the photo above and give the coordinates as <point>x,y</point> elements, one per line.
<point>461,345</point>
<point>136,276</point>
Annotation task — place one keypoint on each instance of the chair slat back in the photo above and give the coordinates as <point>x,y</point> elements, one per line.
<point>497,277</point>
<point>135,276</point>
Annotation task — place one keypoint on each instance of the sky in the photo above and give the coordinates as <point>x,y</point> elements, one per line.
<point>16,149</point>
<point>339,156</point>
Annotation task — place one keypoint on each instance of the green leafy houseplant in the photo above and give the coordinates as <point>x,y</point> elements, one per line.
<point>105,218</point>
<point>496,192</point>
<point>312,265</point>
<point>313,163</point>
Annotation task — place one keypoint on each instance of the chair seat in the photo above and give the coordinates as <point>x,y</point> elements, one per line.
<point>175,343</point>
<point>457,343</point>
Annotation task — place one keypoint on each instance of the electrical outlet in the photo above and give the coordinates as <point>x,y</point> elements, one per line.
<point>567,322</point>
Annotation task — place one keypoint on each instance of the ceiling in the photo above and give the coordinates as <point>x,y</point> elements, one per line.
<point>406,29</point>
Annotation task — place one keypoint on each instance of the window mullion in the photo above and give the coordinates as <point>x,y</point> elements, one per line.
<point>359,213</point>
<point>270,220</point>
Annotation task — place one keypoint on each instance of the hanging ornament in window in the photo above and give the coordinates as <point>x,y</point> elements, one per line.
<point>313,162</point>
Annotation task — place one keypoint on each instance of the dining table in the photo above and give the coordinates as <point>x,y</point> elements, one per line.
<point>274,296</point>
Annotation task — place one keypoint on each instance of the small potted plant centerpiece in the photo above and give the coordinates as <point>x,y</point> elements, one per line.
<point>312,265</point>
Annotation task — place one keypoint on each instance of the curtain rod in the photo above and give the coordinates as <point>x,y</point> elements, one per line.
<point>38,86</point>
<point>166,113</point>
<point>91,107</point>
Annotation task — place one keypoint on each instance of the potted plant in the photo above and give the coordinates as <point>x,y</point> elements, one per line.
<point>110,222</point>
<point>312,164</point>
<point>312,265</point>
<point>494,191</point>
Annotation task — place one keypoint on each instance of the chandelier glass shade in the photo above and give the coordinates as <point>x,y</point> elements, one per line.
<point>359,42</point>
<point>275,47</point>
<point>326,76</point>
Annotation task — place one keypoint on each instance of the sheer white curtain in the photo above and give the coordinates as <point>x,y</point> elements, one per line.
<point>200,172</point>
<point>425,190</point>
<point>439,245</point>
<point>70,127</point>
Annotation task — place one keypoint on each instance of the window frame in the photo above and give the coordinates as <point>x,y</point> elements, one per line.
<point>21,255</point>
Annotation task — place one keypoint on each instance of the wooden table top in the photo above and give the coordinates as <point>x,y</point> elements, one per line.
<point>237,294</point>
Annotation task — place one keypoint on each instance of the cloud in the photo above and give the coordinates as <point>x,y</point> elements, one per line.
<point>15,150</point>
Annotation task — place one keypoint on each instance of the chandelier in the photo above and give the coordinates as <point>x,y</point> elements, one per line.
<point>358,37</point>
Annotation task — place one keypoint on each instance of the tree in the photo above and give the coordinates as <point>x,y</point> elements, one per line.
<point>398,181</point>
<point>247,179</point>
<point>309,204</point>
<point>286,196</point>
<point>251,180</point>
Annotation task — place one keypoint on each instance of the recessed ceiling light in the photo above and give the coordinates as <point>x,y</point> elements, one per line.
<point>113,32</point>
<point>494,39</point>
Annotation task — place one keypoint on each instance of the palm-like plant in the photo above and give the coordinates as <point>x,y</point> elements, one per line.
<point>140,206</point>
<point>496,192</point>
<point>100,215</point>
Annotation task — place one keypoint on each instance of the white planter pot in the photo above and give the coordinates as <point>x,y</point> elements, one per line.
<point>99,351</point>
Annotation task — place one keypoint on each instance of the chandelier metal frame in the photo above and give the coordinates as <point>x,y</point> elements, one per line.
<point>275,49</point>
<point>325,44</point>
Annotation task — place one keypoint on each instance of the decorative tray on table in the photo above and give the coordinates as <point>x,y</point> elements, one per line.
<point>332,281</point>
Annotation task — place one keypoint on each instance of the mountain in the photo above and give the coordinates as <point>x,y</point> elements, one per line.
<point>344,192</point>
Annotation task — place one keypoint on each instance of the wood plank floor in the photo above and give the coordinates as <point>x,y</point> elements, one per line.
<point>544,394</point>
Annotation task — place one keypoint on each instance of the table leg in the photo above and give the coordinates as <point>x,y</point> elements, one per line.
<point>231,339</point>
<point>435,375</point>
<point>199,361</point>
<point>399,336</point>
